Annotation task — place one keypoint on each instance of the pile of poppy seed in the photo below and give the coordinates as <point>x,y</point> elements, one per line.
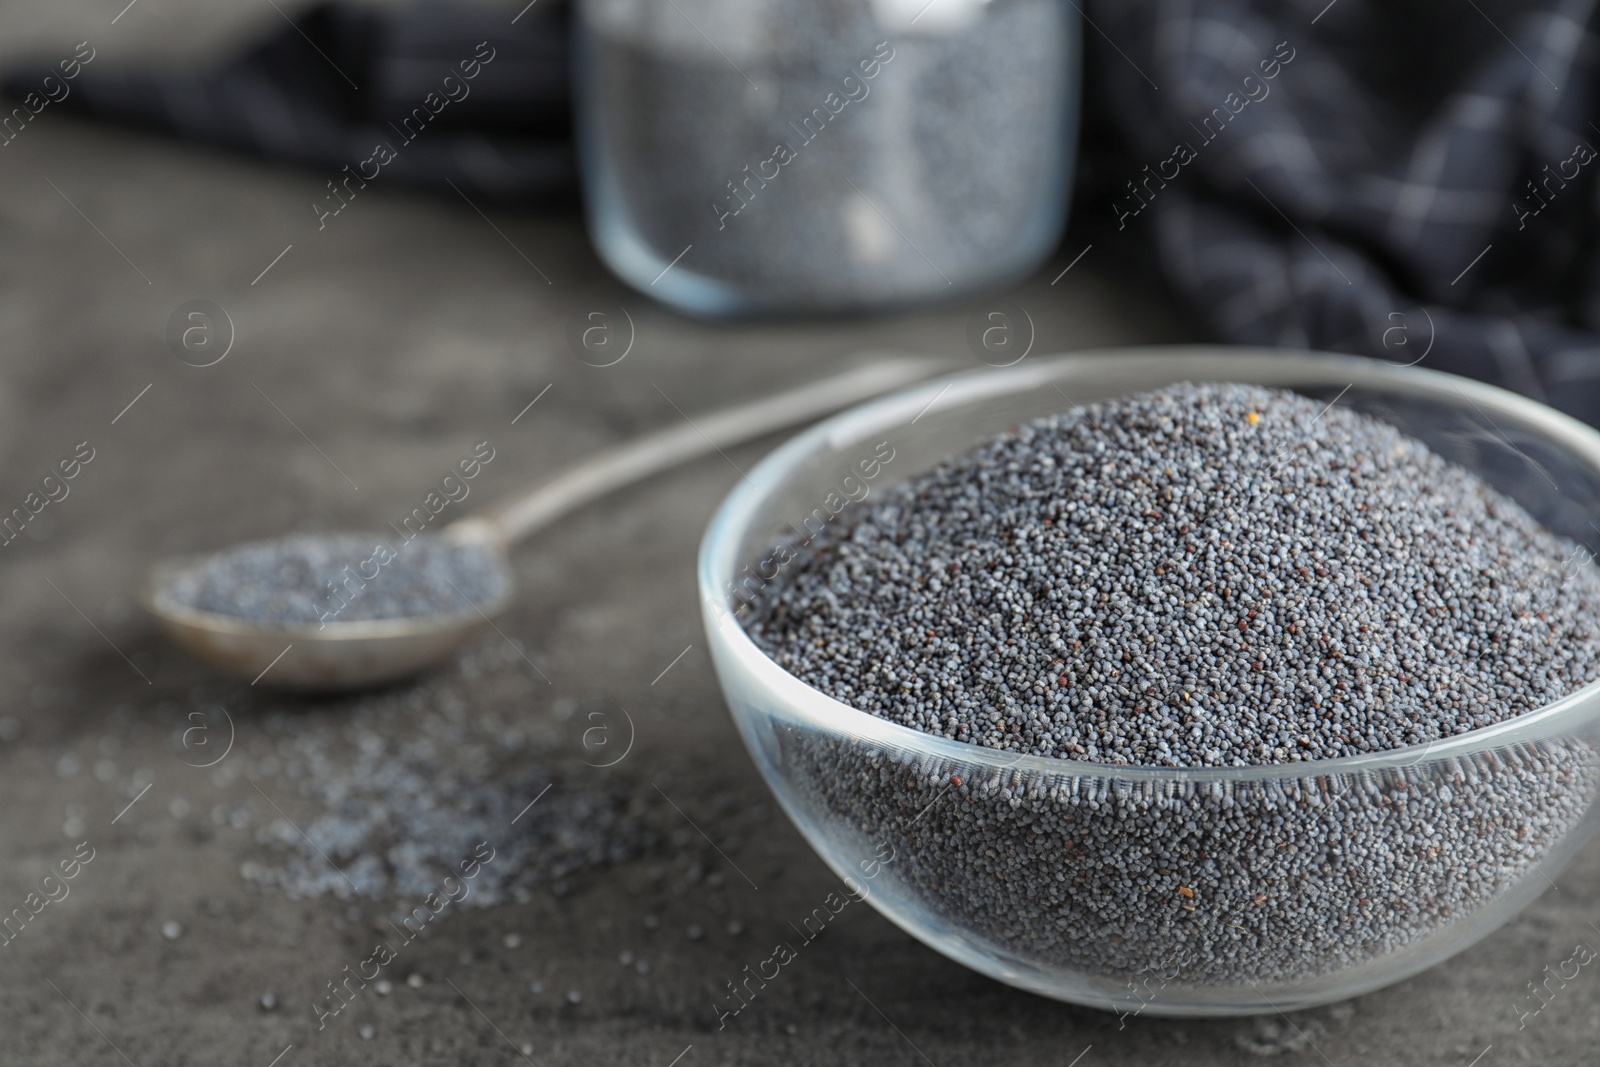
<point>1205,575</point>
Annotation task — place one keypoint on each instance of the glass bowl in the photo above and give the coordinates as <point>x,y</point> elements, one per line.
<point>1331,877</point>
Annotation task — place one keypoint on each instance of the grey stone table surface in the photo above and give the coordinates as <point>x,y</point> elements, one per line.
<point>368,359</point>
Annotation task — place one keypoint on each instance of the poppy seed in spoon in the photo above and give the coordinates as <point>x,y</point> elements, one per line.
<point>341,578</point>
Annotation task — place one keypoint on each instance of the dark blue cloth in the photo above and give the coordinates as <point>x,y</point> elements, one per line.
<point>1416,183</point>
<point>323,89</point>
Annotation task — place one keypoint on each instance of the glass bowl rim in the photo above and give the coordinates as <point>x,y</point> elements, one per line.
<point>719,560</point>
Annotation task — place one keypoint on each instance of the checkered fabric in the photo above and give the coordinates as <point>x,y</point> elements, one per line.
<point>1407,179</point>
<point>324,88</point>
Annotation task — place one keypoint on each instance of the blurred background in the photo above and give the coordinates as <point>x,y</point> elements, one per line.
<point>279,266</point>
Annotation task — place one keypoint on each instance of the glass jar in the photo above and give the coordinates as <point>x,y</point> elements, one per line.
<point>747,157</point>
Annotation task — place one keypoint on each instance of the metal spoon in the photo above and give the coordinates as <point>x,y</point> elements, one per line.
<point>352,654</point>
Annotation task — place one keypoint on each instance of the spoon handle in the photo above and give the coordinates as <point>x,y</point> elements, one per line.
<point>636,460</point>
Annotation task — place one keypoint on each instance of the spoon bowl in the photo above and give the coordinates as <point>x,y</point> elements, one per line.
<point>316,656</point>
